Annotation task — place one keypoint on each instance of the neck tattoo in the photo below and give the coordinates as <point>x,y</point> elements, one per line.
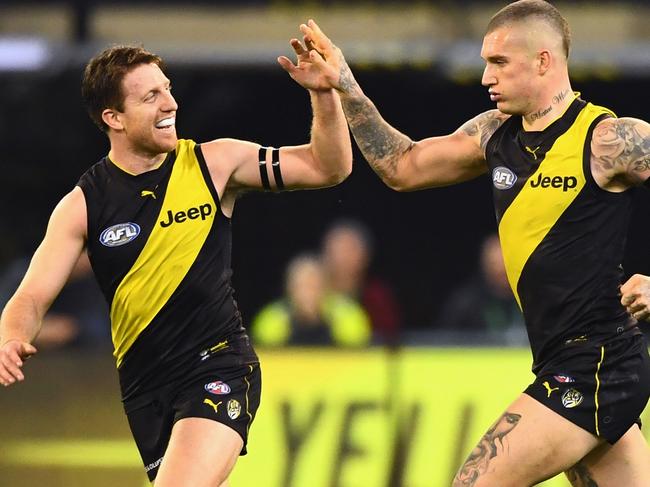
<point>560,97</point>
<point>540,113</point>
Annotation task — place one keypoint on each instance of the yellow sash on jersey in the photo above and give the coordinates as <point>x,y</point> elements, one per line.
<point>169,253</point>
<point>534,211</point>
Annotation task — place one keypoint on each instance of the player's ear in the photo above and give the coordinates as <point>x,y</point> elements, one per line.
<point>544,59</point>
<point>112,118</point>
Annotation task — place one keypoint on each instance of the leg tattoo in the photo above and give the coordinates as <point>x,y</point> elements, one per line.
<point>478,461</point>
<point>579,476</point>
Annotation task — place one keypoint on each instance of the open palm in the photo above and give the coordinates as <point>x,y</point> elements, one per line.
<point>318,61</point>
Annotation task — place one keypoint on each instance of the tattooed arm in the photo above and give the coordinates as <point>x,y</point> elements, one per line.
<point>406,165</point>
<point>620,158</point>
<point>620,153</point>
<point>403,164</point>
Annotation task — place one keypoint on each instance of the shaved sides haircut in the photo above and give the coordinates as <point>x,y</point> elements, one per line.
<point>537,10</point>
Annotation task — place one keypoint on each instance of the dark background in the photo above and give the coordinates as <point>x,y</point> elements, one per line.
<point>426,242</point>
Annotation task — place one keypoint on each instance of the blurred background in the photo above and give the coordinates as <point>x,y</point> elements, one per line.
<point>402,283</point>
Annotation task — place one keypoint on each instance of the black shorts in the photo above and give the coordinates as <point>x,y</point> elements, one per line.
<point>602,389</point>
<point>227,394</point>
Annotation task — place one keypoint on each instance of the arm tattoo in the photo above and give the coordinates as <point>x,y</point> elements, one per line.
<point>478,461</point>
<point>381,144</point>
<point>579,476</point>
<point>346,79</point>
<point>622,145</point>
<point>484,124</point>
<point>470,128</point>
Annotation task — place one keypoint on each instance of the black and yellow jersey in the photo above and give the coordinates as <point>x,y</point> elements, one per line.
<point>562,236</point>
<point>160,248</point>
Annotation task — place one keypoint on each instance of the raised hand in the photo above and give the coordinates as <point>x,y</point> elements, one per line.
<point>320,64</point>
<point>635,296</point>
<point>12,356</point>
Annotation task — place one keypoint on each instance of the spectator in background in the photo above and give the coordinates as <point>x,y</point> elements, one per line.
<point>309,314</point>
<point>485,302</point>
<point>347,253</point>
<point>77,317</point>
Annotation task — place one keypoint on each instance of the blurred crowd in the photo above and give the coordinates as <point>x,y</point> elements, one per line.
<point>79,315</point>
<point>330,297</point>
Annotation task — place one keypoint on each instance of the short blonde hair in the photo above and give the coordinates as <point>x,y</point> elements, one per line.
<point>533,9</point>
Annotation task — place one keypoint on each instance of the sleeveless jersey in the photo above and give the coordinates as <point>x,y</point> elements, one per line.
<point>160,249</point>
<point>562,236</point>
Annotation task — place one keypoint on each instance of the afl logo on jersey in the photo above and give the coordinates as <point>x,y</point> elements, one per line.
<point>217,387</point>
<point>503,178</point>
<point>119,234</point>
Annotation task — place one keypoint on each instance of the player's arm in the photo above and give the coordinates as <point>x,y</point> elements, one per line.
<point>620,158</point>
<point>48,272</point>
<point>403,164</point>
<point>620,153</point>
<point>325,161</point>
<point>407,165</point>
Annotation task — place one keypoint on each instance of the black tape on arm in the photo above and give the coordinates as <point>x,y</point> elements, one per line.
<point>277,173</point>
<point>262,164</point>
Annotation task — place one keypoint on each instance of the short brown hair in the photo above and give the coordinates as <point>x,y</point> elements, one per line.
<point>540,9</point>
<point>101,86</point>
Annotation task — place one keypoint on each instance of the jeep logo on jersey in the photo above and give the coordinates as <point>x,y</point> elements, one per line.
<point>119,234</point>
<point>202,211</point>
<point>564,182</point>
<point>503,178</point>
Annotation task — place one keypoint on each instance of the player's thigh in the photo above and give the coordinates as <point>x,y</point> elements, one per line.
<point>625,463</point>
<point>201,453</point>
<point>527,444</point>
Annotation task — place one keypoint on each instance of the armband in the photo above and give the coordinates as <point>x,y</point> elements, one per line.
<point>262,164</point>
<point>277,174</point>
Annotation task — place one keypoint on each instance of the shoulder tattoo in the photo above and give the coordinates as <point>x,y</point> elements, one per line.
<point>622,145</point>
<point>484,125</point>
